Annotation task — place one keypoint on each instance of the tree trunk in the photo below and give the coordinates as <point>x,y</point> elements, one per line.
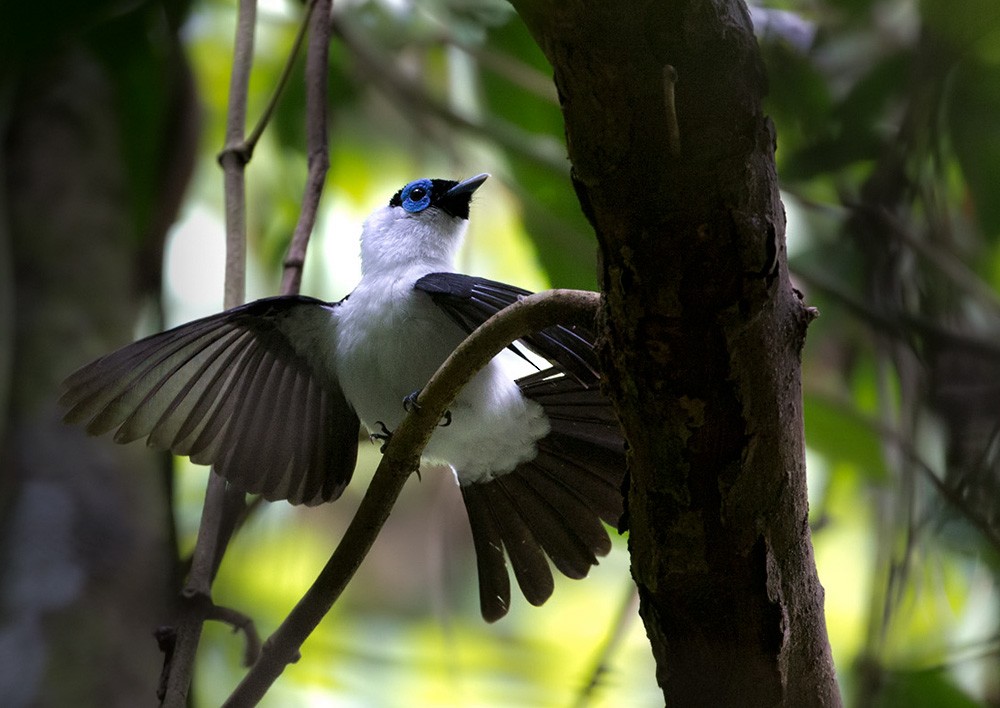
<point>702,339</point>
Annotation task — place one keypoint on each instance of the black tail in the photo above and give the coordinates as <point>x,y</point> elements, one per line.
<point>552,505</point>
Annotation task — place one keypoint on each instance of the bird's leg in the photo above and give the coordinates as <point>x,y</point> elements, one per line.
<point>410,404</point>
<point>385,435</point>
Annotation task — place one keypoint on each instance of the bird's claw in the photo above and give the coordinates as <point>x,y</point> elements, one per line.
<point>410,401</point>
<point>410,404</point>
<point>385,435</point>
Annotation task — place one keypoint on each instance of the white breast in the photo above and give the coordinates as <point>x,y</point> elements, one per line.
<point>389,343</point>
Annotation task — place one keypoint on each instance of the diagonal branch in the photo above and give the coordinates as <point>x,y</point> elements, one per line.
<point>402,456</point>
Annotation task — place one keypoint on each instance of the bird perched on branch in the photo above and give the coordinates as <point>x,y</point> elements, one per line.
<point>272,394</point>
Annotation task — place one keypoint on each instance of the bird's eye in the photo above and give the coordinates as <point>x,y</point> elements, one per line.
<point>416,196</point>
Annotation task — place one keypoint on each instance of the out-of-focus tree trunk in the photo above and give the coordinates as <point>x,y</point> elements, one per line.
<point>85,540</point>
<point>703,333</point>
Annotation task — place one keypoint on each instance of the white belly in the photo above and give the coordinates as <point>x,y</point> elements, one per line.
<point>390,340</point>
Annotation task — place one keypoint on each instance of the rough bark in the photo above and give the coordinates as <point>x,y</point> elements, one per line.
<point>702,340</point>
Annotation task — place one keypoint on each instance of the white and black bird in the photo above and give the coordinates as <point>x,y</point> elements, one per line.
<point>272,394</point>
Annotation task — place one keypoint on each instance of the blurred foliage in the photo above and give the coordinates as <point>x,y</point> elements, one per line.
<point>889,154</point>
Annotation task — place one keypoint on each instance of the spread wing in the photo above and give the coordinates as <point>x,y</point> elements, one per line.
<point>470,301</point>
<point>232,391</point>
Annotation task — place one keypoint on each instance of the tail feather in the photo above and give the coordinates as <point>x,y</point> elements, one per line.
<point>570,508</point>
<point>593,432</point>
<point>526,556</point>
<point>494,584</point>
<point>589,480</point>
<point>552,505</point>
<point>568,540</point>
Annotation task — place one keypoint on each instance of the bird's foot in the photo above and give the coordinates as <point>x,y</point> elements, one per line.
<point>410,401</point>
<point>385,435</point>
<point>410,404</point>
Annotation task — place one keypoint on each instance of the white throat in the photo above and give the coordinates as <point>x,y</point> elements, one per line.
<point>392,239</point>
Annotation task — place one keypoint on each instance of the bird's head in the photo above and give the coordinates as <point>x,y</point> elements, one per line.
<point>423,223</point>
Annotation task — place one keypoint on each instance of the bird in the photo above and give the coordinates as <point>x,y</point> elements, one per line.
<point>273,394</point>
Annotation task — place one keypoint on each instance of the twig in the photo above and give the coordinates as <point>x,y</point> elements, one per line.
<point>240,623</point>
<point>272,103</point>
<point>166,641</point>
<point>238,147</point>
<point>316,143</point>
<point>402,456</point>
<point>221,506</point>
<point>944,260</point>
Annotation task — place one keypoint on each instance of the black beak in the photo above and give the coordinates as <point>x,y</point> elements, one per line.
<point>467,187</point>
<point>456,200</point>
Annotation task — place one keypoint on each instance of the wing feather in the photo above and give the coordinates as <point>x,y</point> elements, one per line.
<point>470,301</point>
<point>231,390</point>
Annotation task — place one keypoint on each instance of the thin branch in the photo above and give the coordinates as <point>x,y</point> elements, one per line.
<point>402,456</point>
<point>944,260</point>
<point>892,436</point>
<point>317,66</point>
<point>316,143</point>
<point>234,157</point>
<point>237,146</point>
<point>251,141</point>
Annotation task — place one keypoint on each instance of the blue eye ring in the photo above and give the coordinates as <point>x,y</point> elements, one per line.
<point>416,196</point>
